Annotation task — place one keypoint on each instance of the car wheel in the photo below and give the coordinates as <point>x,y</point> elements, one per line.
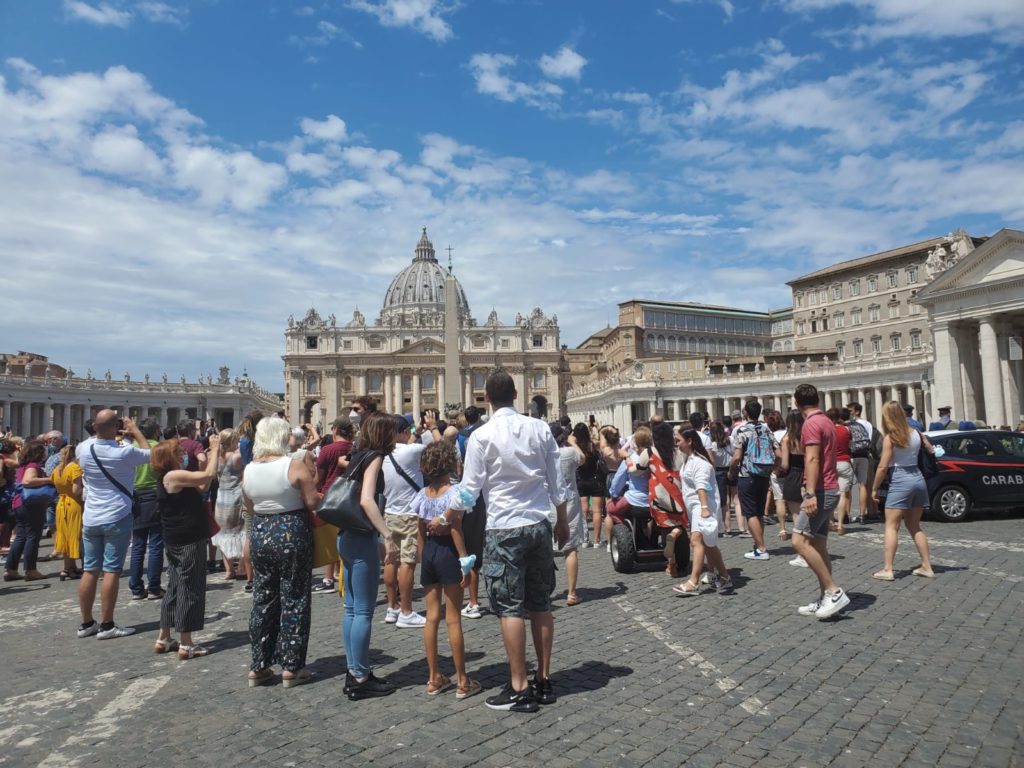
<point>623,549</point>
<point>952,504</point>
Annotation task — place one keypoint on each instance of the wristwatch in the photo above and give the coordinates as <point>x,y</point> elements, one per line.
<point>806,495</point>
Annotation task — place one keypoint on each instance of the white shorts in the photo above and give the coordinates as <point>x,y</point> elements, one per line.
<point>846,477</point>
<point>707,527</point>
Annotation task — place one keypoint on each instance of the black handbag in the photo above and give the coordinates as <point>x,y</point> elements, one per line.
<point>341,506</point>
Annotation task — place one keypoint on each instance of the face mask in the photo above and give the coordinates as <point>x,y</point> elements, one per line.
<point>50,450</point>
<point>184,461</point>
<point>354,417</point>
<point>944,419</point>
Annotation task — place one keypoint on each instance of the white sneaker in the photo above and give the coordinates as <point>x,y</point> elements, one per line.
<point>391,616</point>
<point>757,554</point>
<point>472,612</point>
<point>609,547</point>
<point>811,609</point>
<point>832,604</point>
<point>413,620</point>
<point>116,631</point>
<point>799,562</point>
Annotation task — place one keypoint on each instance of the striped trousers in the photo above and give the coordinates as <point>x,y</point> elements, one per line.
<point>184,604</point>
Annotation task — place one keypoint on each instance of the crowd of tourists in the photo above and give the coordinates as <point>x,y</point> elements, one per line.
<point>460,495</point>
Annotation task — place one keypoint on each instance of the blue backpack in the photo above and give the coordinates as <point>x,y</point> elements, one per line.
<point>758,454</point>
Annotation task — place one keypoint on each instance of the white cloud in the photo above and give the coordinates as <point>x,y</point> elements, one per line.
<point>118,150</point>
<point>326,33</point>
<point>566,64</point>
<point>102,15</point>
<point>238,178</point>
<point>933,19</point>
<point>162,13</point>
<point>426,16</point>
<point>314,165</point>
<point>331,129</point>
<point>488,71</point>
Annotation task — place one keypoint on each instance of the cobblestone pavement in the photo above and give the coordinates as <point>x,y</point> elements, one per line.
<point>917,673</point>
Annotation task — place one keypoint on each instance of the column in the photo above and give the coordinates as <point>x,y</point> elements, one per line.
<point>65,419</point>
<point>24,419</point>
<point>360,383</point>
<point>991,373</point>
<point>386,386</point>
<point>416,394</point>
<point>946,370</point>
<point>467,387</point>
<point>1010,393</point>
<point>517,378</point>
<point>724,404</point>
<point>876,407</point>
<point>161,416</point>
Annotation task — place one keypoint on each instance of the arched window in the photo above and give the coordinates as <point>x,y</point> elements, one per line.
<point>311,383</point>
<point>375,382</point>
<point>693,344</point>
<point>671,344</point>
<point>702,344</point>
<point>661,342</point>
<point>750,348</point>
<point>649,343</point>
<point>732,347</point>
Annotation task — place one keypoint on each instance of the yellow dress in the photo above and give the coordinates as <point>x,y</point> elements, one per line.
<point>69,512</point>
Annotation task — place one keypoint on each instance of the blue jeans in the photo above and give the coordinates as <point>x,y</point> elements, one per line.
<point>148,544</point>
<point>28,529</point>
<point>360,559</point>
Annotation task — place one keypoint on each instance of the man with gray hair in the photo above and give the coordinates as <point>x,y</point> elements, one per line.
<point>108,473</point>
<point>54,442</point>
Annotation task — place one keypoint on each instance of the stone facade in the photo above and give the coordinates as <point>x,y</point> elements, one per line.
<point>400,357</point>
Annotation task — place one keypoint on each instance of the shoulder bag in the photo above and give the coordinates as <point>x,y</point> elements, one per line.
<point>106,474</point>
<point>927,462</point>
<point>402,473</point>
<point>341,506</point>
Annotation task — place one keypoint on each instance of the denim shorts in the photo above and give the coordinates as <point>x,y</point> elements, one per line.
<point>519,569</point>
<point>907,489</point>
<point>106,545</point>
<point>816,525</point>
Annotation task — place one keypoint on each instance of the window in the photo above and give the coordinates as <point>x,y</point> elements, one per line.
<point>311,383</point>
<point>801,328</point>
<point>346,383</point>
<point>911,275</point>
<point>375,382</point>
<point>892,280</point>
<point>428,381</point>
<point>478,380</point>
<point>822,295</point>
<point>538,379</point>
<point>876,344</point>
<point>895,342</point>
<point>855,287</point>
<point>894,311</point>
<point>837,292</point>
<point>478,341</point>
<point>874,313</point>
<point>406,342</point>
<point>661,343</point>
<point>504,343</point>
<point>840,350</point>
<point>799,299</point>
<point>693,344</point>
<point>838,320</point>
<point>538,341</point>
<point>858,347</point>
<point>814,298</point>
<point>915,339</point>
<point>375,344</point>
<point>407,383</point>
<point>311,342</point>
<point>824,323</point>
<point>855,317</point>
<point>346,344</point>
<point>872,284</point>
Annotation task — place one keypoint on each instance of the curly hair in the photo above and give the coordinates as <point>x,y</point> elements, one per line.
<point>439,461</point>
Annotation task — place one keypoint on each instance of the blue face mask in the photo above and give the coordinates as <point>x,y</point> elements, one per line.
<point>50,450</point>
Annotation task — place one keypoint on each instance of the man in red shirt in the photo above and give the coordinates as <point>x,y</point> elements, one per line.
<point>330,463</point>
<point>820,498</point>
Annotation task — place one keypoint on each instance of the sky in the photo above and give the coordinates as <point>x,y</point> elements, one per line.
<point>177,178</point>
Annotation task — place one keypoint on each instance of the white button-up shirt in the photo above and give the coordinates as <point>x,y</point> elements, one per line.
<point>513,461</point>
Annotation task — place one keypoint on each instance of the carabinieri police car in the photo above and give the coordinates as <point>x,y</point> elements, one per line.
<point>980,469</point>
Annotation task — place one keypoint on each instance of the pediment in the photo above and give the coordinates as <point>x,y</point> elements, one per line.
<point>999,259</point>
<point>423,347</point>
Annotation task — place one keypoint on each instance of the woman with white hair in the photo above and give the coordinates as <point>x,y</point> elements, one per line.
<point>279,493</point>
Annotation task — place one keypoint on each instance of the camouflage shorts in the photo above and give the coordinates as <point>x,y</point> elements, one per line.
<point>519,569</point>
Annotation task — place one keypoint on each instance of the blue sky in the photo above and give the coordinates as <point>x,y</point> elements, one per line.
<point>177,178</point>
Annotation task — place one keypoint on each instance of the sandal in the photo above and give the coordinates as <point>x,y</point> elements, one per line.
<point>470,690</point>
<point>442,685</point>
<point>165,646</point>
<point>186,652</point>
<point>884,576</point>
<point>923,573</point>
<point>573,600</point>
<point>686,589</point>
<point>300,677</point>
<point>262,677</point>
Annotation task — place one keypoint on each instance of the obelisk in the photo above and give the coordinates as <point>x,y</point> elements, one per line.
<point>452,369</point>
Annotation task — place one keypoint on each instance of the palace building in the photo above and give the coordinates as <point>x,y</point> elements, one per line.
<point>424,350</point>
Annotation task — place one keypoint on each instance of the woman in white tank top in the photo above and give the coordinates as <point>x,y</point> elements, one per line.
<point>279,495</point>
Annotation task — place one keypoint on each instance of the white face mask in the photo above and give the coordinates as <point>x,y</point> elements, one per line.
<point>354,417</point>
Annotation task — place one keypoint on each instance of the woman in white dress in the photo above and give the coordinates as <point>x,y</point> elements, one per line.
<point>230,539</point>
<point>570,457</point>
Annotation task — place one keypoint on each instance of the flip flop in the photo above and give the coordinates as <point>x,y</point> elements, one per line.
<point>573,600</point>
<point>884,576</point>
<point>923,573</point>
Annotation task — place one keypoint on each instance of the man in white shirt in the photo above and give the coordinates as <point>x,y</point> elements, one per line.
<point>108,474</point>
<point>402,481</point>
<point>861,466</point>
<point>513,461</point>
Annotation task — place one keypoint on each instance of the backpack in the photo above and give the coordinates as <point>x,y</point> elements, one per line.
<point>876,444</point>
<point>463,438</point>
<point>860,443</point>
<point>758,454</point>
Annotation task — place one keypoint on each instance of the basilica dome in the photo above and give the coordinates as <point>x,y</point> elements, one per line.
<point>416,294</point>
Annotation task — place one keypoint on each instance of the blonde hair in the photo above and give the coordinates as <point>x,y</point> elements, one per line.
<point>894,424</point>
<point>271,437</point>
<point>642,438</point>
<point>228,440</point>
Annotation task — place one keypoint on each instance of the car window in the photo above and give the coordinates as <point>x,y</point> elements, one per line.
<point>1014,445</point>
<point>975,445</point>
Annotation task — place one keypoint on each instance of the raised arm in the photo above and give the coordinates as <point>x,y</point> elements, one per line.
<point>177,479</point>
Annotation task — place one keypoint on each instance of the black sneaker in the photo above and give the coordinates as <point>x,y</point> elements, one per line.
<point>370,688</point>
<point>542,691</point>
<point>157,595</point>
<point>349,682</point>
<point>325,585</point>
<point>248,586</point>
<point>139,595</point>
<point>510,700</point>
